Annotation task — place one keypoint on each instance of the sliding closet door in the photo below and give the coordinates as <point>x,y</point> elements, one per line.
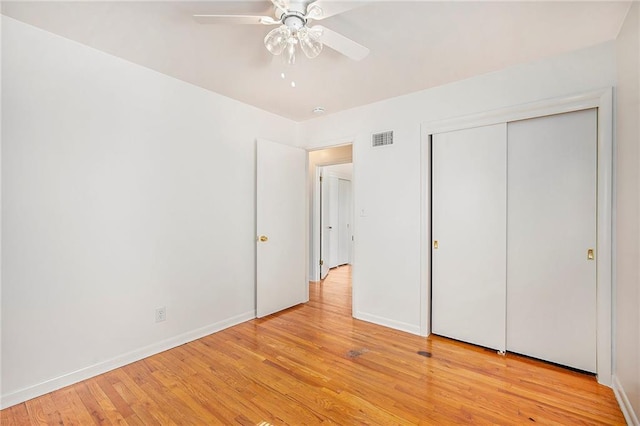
<point>551,274</point>
<point>469,225</point>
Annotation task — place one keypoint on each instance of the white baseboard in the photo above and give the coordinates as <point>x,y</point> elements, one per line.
<point>313,275</point>
<point>397,325</point>
<point>627,410</point>
<point>102,367</point>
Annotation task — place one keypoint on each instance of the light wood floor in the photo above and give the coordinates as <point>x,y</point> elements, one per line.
<point>315,364</point>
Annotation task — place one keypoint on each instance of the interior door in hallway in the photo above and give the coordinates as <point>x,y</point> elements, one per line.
<point>333,228</point>
<point>280,224</point>
<point>551,271</point>
<point>325,226</point>
<point>344,221</point>
<point>468,228</point>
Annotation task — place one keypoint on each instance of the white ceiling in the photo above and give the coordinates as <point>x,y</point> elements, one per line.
<point>414,45</point>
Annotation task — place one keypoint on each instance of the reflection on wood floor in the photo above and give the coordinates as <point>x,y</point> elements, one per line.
<point>313,364</point>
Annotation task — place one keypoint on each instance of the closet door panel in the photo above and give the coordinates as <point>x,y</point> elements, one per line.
<point>469,225</point>
<point>551,282</point>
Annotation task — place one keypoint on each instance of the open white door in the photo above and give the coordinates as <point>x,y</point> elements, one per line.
<point>344,222</point>
<point>325,227</point>
<point>333,227</point>
<point>281,227</point>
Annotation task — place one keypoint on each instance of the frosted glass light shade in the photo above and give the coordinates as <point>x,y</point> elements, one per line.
<point>276,40</point>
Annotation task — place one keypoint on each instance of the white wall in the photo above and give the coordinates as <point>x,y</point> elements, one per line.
<point>122,190</point>
<point>1,32</point>
<point>387,286</point>
<point>627,266</point>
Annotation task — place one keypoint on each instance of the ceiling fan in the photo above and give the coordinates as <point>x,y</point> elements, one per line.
<point>293,31</point>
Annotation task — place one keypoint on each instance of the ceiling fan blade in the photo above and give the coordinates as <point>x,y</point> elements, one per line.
<point>283,5</point>
<point>331,8</point>
<point>234,19</point>
<point>342,44</point>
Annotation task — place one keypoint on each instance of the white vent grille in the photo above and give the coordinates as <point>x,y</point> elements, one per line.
<point>380,139</point>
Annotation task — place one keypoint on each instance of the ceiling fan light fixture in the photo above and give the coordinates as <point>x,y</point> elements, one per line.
<point>293,20</point>
<point>294,31</point>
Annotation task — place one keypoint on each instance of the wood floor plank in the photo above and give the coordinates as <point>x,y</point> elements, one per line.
<point>104,391</point>
<point>36,412</point>
<point>114,407</point>
<point>17,416</point>
<point>51,411</point>
<point>315,364</point>
<point>139,402</point>
<point>66,408</point>
<point>92,403</point>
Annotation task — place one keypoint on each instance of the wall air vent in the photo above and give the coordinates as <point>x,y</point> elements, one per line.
<point>381,139</point>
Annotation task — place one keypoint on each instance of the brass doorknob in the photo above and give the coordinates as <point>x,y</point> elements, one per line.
<point>263,238</point>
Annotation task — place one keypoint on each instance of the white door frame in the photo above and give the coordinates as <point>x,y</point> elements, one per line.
<point>601,99</point>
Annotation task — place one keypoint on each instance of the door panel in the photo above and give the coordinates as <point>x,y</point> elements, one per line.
<point>344,224</point>
<point>325,234</point>
<point>551,285</point>
<point>469,223</point>
<point>333,227</point>
<point>280,217</point>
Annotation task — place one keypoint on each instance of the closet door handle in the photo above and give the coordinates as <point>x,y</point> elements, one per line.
<point>435,244</point>
<point>590,255</point>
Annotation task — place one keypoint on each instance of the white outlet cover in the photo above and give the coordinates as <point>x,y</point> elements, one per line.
<point>161,314</point>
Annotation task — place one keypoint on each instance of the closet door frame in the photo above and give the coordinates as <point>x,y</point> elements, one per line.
<point>603,101</point>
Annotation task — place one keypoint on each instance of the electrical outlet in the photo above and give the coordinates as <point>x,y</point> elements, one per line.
<point>161,314</point>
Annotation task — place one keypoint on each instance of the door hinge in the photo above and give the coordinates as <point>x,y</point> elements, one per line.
<point>320,178</point>
<point>321,262</point>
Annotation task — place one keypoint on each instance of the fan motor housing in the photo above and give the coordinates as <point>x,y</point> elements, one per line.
<point>294,20</point>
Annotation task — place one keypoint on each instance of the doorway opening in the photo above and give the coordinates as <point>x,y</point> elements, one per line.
<point>336,217</point>
<point>331,210</point>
